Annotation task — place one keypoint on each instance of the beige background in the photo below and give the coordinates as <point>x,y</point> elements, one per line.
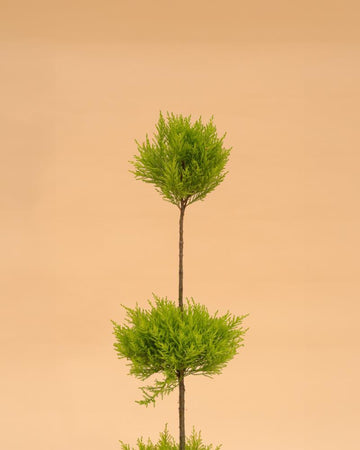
<point>279,239</point>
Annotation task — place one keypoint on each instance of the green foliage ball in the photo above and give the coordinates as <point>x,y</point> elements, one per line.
<point>165,339</point>
<point>167,442</point>
<point>185,161</point>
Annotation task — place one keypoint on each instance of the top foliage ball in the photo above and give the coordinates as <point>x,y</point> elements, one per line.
<point>184,161</point>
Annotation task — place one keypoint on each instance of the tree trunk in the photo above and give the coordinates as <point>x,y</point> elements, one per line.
<point>181,409</point>
<point>180,373</point>
<point>181,253</point>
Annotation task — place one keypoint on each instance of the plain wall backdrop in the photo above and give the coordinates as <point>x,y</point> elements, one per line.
<point>278,239</point>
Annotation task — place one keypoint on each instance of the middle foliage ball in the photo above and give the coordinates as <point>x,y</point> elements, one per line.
<point>165,339</point>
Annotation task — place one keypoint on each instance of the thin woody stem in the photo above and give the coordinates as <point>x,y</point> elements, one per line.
<point>180,373</point>
<point>181,252</point>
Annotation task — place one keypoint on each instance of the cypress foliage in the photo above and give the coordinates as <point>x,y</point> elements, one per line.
<point>164,339</point>
<point>185,161</point>
<point>167,442</point>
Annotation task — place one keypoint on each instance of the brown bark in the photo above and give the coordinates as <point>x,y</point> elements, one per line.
<point>180,373</point>
<point>181,253</point>
<point>181,409</point>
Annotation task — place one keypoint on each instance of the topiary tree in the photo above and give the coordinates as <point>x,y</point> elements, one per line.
<point>185,161</point>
